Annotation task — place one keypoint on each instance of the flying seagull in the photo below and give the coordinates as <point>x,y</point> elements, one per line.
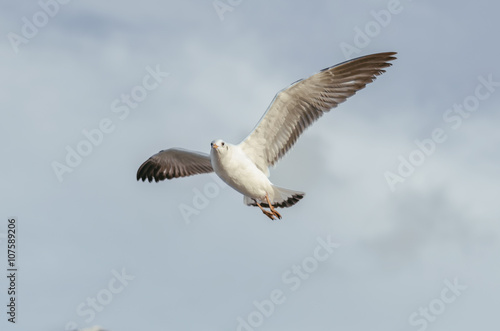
<point>245,167</point>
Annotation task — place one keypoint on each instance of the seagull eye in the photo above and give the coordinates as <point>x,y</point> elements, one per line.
<point>222,144</point>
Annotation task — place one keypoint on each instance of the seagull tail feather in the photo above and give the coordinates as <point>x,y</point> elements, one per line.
<point>283,197</point>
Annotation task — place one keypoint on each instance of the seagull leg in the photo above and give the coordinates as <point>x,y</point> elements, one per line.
<point>272,208</point>
<point>267,213</point>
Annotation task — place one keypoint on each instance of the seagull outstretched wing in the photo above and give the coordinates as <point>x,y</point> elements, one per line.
<point>296,107</point>
<point>173,163</point>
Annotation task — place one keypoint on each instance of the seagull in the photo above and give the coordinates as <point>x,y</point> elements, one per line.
<point>245,167</point>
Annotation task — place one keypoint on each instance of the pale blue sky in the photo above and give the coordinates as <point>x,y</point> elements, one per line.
<point>398,249</point>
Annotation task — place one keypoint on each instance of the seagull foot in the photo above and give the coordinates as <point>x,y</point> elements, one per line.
<point>268,214</point>
<point>275,213</point>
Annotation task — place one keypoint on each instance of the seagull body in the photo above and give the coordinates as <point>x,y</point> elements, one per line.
<point>245,167</point>
<point>237,170</point>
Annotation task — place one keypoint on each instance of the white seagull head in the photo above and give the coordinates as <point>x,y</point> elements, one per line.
<point>219,146</point>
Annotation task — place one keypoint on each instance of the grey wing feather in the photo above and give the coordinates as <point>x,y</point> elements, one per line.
<point>298,106</point>
<point>174,163</point>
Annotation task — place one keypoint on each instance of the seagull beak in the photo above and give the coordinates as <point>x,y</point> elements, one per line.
<point>215,146</point>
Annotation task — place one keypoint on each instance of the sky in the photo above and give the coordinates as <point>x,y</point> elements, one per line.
<point>400,225</point>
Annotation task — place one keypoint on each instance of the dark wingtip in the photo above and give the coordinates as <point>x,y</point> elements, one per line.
<point>139,175</point>
<point>142,172</point>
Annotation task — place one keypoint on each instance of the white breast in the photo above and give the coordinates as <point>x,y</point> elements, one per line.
<point>239,172</point>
